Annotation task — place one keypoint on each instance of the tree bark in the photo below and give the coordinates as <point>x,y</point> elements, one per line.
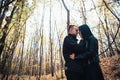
<point>2,40</point>
<point>51,42</point>
<point>68,14</point>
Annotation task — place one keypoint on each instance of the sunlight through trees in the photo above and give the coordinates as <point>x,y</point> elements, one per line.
<point>32,33</point>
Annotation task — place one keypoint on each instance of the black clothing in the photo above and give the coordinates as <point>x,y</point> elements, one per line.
<point>73,67</point>
<point>71,75</point>
<point>93,72</point>
<point>70,46</point>
<point>90,56</point>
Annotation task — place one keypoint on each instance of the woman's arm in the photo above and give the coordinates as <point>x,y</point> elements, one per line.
<point>92,50</point>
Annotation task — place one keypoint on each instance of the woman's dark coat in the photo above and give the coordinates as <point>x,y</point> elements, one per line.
<point>90,56</point>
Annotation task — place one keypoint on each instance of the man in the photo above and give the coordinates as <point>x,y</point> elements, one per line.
<point>73,68</point>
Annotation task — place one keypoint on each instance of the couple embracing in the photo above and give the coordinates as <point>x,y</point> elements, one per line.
<point>81,59</point>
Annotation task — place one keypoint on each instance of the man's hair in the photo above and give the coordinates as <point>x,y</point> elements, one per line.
<point>70,26</point>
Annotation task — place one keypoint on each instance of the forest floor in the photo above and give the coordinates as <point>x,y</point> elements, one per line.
<point>110,67</point>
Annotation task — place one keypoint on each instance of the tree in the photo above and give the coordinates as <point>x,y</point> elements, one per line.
<point>68,14</point>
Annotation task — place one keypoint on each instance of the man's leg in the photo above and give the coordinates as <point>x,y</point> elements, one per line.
<point>70,75</point>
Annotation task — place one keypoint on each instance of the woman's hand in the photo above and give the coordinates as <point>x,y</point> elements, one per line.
<point>72,56</point>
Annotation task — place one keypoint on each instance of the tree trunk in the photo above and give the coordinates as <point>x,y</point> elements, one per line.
<point>51,43</point>
<point>2,40</point>
<point>83,10</point>
<point>21,59</point>
<point>68,14</point>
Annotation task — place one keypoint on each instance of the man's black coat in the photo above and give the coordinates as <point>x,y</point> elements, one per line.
<point>70,46</point>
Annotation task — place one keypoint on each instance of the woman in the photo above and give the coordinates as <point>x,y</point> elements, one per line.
<point>90,56</point>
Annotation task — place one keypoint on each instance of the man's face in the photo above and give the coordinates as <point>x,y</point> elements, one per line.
<point>74,30</point>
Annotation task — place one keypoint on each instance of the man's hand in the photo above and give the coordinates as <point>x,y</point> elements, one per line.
<point>72,56</point>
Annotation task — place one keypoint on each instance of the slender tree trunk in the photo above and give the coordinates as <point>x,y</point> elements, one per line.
<point>21,59</point>
<point>51,43</point>
<point>1,4</point>
<point>83,11</point>
<point>116,47</point>
<point>2,16</point>
<point>59,52</point>
<point>41,56</point>
<point>111,52</point>
<point>30,56</point>
<point>2,40</point>
<point>68,14</point>
<point>100,40</point>
<point>41,44</point>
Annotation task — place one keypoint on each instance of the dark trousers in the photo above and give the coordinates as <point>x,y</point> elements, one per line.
<point>71,75</point>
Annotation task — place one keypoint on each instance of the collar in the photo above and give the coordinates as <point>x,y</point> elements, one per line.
<point>73,36</point>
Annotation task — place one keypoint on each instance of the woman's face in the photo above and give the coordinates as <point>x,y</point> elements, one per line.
<point>80,34</point>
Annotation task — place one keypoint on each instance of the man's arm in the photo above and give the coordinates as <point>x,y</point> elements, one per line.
<point>72,45</point>
<point>66,50</point>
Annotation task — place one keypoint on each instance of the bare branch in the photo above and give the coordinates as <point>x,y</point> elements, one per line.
<point>111,11</point>
<point>7,4</point>
<point>68,14</point>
